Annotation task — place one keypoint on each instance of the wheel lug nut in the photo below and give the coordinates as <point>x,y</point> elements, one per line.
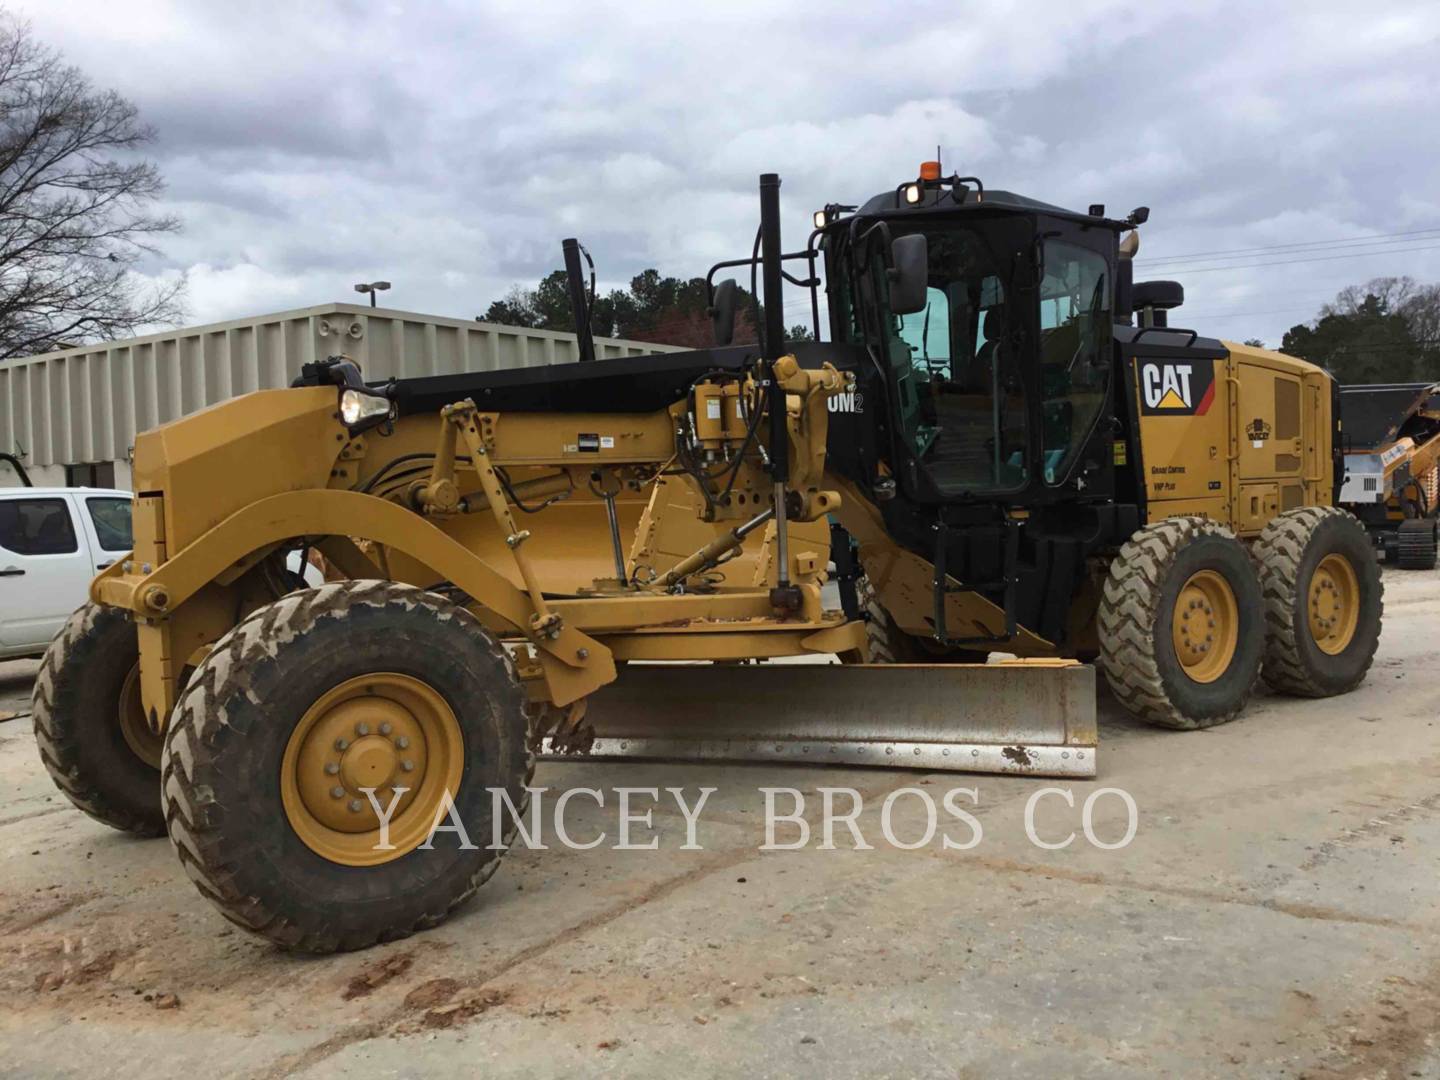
<point>356,806</point>
<point>407,765</point>
<point>385,728</point>
<point>402,742</point>
<point>342,743</point>
<point>337,792</point>
<point>331,769</point>
<point>362,729</point>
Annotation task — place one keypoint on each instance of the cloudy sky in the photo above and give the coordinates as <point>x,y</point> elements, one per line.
<point>1286,149</point>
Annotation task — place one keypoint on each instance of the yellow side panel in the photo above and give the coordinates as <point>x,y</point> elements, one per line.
<point>1258,503</point>
<point>1285,426</point>
<point>1239,439</point>
<point>1184,410</point>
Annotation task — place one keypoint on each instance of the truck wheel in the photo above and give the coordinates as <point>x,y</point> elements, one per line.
<point>90,726</point>
<point>886,643</point>
<point>1323,601</point>
<point>299,709</point>
<point>1181,633</point>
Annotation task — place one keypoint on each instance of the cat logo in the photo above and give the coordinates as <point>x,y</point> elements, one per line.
<point>850,401</point>
<point>1176,389</point>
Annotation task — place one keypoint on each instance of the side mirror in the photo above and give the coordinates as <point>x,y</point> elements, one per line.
<point>722,312</point>
<point>909,273</point>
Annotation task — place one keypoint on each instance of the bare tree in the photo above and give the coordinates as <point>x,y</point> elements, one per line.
<point>75,206</point>
<point>1417,304</point>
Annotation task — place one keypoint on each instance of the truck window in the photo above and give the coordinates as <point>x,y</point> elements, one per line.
<point>928,332</point>
<point>1074,350</point>
<point>37,527</point>
<point>957,372</point>
<point>111,518</point>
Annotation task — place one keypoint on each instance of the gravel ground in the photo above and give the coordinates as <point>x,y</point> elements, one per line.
<point>1275,915</point>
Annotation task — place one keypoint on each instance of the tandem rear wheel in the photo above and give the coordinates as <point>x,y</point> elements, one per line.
<point>374,694</point>
<point>1181,633</point>
<point>1189,618</point>
<point>1324,601</point>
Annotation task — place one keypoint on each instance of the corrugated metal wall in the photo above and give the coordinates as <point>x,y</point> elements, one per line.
<point>86,404</point>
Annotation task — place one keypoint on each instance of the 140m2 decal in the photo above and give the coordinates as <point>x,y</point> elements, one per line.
<point>1176,388</point>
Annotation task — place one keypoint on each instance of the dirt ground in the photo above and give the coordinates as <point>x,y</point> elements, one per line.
<point>1275,915</point>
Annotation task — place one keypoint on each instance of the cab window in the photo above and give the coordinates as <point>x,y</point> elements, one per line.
<point>1075,350</point>
<point>957,372</point>
<point>928,334</point>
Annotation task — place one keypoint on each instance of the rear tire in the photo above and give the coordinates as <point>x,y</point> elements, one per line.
<point>89,725</point>
<point>1311,647</point>
<point>248,764</point>
<point>1174,579</point>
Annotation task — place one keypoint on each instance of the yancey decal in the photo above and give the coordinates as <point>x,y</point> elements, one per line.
<point>1169,388</point>
<point>1257,431</point>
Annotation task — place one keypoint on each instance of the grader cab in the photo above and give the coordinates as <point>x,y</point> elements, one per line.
<point>987,456</point>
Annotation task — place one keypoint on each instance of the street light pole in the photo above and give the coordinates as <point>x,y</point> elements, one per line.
<point>372,287</point>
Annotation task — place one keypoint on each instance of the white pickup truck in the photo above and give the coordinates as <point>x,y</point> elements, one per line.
<point>52,542</point>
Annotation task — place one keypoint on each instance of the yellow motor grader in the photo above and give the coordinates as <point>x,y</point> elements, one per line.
<point>1002,448</point>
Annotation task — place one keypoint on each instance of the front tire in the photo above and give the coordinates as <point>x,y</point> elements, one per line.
<point>1323,601</point>
<point>886,643</point>
<point>303,705</point>
<point>90,726</point>
<point>1181,635</point>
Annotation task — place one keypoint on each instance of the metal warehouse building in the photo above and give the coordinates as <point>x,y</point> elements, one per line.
<point>71,416</point>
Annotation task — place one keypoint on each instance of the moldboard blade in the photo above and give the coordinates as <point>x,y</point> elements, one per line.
<point>1028,717</point>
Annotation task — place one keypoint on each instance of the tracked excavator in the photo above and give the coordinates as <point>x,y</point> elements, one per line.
<point>1001,471</point>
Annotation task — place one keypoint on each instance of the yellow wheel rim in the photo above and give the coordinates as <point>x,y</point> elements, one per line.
<point>1333,604</point>
<point>1205,626</point>
<point>385,732</point>
<point>144,743</point>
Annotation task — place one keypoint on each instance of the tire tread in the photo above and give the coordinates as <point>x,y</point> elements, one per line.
<point>205,851</point>
<point>58,741</point>
<point>1129,607</point>
<point>1279,552</point>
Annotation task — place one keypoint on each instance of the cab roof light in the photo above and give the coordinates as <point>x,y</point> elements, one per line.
<point>830,214</point>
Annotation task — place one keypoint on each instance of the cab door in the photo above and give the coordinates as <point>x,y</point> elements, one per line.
<point>45,569</point>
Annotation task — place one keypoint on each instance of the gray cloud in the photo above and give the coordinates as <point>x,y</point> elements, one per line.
<point>449,147</point>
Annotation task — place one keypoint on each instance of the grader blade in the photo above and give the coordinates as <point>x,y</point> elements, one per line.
<point>1030,717</point>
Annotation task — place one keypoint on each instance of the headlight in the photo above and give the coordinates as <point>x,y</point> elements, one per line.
<point>360,410</point>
